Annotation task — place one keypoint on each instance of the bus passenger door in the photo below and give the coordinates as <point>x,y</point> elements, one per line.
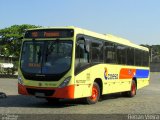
<point>82,71</point>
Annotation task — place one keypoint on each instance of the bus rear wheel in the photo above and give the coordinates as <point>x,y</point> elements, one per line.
<point>95,94</point>
<point>132,92</point>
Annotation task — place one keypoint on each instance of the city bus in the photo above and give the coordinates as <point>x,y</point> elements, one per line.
<point>71,63</point>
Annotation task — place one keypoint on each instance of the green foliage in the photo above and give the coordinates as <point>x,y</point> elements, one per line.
<point>154,51</point>
<point>9,39</point>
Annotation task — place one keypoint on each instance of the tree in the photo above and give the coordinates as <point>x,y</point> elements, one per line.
<point>9,39</point>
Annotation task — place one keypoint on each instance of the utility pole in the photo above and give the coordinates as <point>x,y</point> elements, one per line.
<point>151,54</point>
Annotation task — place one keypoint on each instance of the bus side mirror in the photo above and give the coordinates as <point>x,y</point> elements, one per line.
<point>84,41</point>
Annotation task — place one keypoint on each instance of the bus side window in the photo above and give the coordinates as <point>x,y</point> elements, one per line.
<point>130,56</point>
<point>97,51</point>
<point>138,57</point>
<point>121,54</point>
<point>110,53</point>
<point>82,57</point>
<point>146,58</point>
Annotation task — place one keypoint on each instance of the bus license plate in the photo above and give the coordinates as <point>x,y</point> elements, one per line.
<point>40,94</point>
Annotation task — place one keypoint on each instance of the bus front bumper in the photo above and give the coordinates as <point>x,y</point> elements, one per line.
<point>66,92</point>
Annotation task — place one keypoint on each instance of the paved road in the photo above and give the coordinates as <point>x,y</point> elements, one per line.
<point>147,101</point>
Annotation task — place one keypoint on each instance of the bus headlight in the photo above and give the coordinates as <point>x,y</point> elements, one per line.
<point>20,81</point>
<point>65,82</point>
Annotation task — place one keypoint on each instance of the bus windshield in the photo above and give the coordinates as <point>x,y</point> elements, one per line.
<point>46,57</point>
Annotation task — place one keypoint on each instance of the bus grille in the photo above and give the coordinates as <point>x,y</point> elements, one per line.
<point>39,77</point>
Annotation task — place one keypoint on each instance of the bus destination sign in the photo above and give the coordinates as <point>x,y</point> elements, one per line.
<point>49,33</point>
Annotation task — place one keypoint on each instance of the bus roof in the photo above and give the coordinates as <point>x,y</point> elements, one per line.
<point>107,37</point>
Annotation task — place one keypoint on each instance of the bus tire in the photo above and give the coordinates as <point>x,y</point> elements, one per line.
<point>95,94</point>
<point>132,92</point>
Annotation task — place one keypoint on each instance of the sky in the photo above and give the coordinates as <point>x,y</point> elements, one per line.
<point>135,20</point>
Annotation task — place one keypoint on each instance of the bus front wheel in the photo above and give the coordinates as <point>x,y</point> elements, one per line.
<point>95,94</point>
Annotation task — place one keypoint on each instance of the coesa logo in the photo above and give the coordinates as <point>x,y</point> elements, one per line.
<point>105,73</point>
<point>109,76</point>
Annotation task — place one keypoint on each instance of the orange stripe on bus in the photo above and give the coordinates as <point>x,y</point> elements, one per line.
<point>66,92</point>
<point>127,73</point>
